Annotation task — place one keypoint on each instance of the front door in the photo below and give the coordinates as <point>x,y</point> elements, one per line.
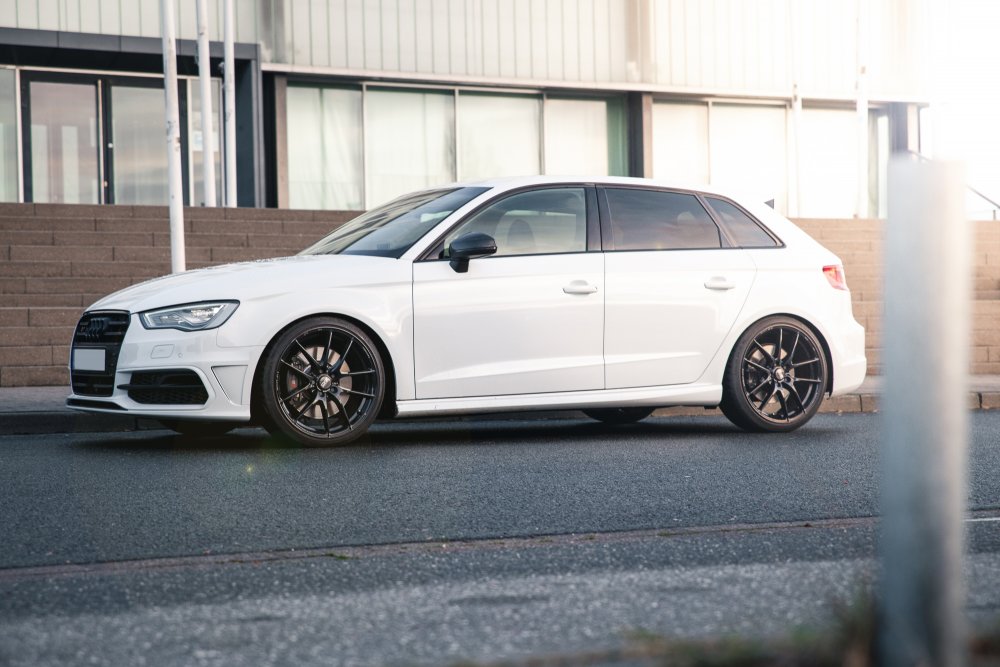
<point>529,319</point>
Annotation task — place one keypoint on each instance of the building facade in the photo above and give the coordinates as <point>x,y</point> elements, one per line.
<point>343,104</point>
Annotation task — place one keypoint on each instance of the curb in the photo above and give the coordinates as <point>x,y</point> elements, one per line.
<point>49,422</point>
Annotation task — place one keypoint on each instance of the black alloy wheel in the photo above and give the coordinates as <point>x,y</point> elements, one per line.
<point>618,416</point>
<point>323,382</point>
<point>776,377</point>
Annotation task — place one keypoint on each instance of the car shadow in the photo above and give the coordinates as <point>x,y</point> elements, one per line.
<point>458,432</point>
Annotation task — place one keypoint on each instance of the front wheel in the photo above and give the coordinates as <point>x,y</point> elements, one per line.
<point>775,378</point>
<point>322,383</point>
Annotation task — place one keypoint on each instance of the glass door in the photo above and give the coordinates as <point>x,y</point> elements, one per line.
<point>137,150</point>
<point>92,139</point>
<point>62,141</point>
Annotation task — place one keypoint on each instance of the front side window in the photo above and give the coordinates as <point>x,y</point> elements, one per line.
<point>538,222</point>
<point>389,230</point>
<point>658,220</point>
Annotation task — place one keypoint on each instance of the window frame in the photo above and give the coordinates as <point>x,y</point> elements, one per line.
<point>726,240</point>
<point>435,252</point>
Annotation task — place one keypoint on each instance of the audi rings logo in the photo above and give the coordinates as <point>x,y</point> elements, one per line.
<point>94,329</point>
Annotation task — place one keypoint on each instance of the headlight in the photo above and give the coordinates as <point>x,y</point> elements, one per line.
<point>190,317</point>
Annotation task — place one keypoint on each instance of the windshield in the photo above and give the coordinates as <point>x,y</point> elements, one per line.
<point>390,229</point>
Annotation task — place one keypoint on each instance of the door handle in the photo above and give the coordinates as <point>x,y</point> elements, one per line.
<point>580,287</point>
<point>719,283</point>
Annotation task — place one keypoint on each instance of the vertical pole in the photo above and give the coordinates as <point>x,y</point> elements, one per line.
<point>205,86</point>
<point>861,208</point>
<point>797,147</point>
<point>926,349</point>
<point>229,103</point>
<point>175,195</point>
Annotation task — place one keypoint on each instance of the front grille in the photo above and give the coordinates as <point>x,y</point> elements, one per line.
<point>99,330</point>
<point>168,387</point>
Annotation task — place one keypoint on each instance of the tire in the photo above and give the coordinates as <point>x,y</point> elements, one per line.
<point>199,429</point>
<point>322,383</point>
<point>775,378</point>
<point>618,416</point>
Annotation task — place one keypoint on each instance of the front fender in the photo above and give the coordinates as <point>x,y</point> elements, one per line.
<point>386,309</point>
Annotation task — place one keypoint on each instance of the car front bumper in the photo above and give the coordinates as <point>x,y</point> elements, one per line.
<point>226,374</point>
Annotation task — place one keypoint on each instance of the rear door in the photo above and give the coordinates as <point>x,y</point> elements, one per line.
<point>674,286</point>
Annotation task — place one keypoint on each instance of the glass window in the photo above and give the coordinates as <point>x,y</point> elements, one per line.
<point>196,157</point>
<point>8,136</point>
<point>64,167</point>
<point>828,175</point>
<point>139,153</point>
<point>409,141</point>
<point>548,221</point>
<point>680,142</point>
<point>741,227</point>
<point>585,136</point>
<point>657,220</point>
<point>749,151</point>
<point>499,135</point>
<point>390,229</point>
<point>324,148</point>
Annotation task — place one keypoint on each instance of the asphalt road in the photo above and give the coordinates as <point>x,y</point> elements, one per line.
<point>442,541</point>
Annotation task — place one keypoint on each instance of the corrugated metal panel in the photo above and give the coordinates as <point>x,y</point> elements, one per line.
<point>728,46</point>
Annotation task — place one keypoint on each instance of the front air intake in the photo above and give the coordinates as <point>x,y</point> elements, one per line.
<point>166,387</point>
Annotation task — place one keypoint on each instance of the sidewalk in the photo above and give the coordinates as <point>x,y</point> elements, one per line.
<point>35,410</point>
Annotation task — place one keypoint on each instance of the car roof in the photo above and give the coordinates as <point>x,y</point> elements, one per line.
<point>512,182</point>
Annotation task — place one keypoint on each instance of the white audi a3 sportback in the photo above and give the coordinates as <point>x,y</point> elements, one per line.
<point>610,295</point>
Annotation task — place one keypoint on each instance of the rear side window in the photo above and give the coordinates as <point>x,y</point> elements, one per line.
<point>657,220</point>
<point>741,227</point>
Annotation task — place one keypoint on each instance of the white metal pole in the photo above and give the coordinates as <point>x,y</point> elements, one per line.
<point>861,208</point>
<point>229,103</point>
<point>175,195</point>
<point>926,355</point>
<point>205,86</point>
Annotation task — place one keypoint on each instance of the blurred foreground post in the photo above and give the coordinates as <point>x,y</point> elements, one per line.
<point>175,193</point>
<point>926,360</point>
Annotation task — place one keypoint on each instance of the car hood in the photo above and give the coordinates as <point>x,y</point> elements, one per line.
<point>250,280</point>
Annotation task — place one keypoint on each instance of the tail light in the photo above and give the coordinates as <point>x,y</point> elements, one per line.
<point>835,275</point>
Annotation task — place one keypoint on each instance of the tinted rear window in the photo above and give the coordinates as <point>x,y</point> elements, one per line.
<point>741,227</point>
<point>657,220</point>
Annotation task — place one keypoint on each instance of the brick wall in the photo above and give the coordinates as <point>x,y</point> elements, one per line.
<point>57,259</point>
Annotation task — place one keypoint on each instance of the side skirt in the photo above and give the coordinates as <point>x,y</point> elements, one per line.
<point>654,397</point>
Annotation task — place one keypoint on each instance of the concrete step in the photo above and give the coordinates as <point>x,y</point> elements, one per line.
<point>34,376</point>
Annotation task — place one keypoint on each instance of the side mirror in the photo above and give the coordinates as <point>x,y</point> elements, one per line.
<point>470,246</point>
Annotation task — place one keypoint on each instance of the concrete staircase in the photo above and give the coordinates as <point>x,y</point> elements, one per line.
<point>859,243</point>
<point>55,260</point>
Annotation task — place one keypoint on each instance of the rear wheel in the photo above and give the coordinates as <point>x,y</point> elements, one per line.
<point>775,378</point>
<point>618,415</point>
<point>322,383</point>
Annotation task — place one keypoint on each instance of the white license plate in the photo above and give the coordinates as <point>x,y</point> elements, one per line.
<point>88,360</point>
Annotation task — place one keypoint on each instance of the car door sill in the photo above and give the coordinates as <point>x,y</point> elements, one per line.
<point>682,394</point>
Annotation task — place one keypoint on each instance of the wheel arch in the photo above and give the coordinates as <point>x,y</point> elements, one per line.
<point>388,408</point>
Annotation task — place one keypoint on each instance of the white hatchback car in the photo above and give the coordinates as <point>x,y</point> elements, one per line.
<point>610,295</point>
